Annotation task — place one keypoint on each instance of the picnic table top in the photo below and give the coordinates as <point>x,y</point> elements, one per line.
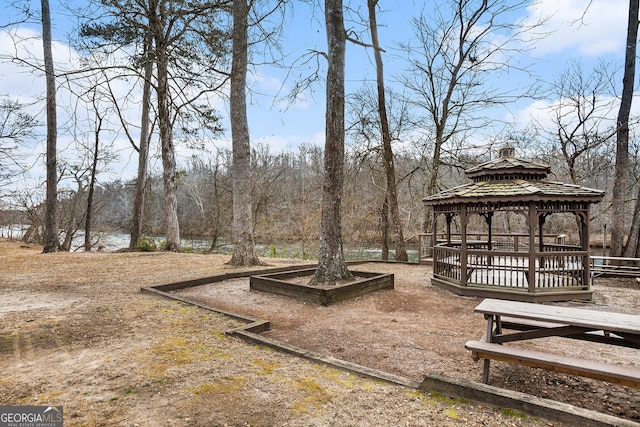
<point>599,320</point>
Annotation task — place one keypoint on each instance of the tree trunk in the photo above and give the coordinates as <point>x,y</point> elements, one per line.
<point>74,217</point>
<point>632,248</point>
<point>332,266</point>
<point>387,152</point>
<point>92,185</point>
<point>432,187</point>
<point>172,231</point>
<point>622,135</point>
<point>51,240</point>
<point>384,230</point>
<point>243,241</point>
<point>143,150</point>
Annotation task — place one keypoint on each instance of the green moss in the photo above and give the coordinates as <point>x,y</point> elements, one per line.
<point>439,397</point>
<point>452,413</point>
<point>267,368</point>
<point>513,413</point>
<point>315,396</point>
<point>229,385</point>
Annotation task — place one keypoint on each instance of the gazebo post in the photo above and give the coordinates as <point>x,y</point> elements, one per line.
<point>541,220</point>
<point>463,245</point>
<point>488,218</point>
<point>490,225</point>
<point>449,218</point>
<point>531,268</point>
<point>434,234</point>
<point>586,264</point>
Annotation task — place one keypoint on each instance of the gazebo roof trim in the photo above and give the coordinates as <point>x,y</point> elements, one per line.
<point>515,189</point>
<point>506,165</point>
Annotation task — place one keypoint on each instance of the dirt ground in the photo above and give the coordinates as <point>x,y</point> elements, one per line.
<point>76,331</point>
<point>417,328</point>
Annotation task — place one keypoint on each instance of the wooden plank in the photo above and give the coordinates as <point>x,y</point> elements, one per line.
<point>560,331</point>
<point>620,322</point>
<point>599,336</point>
<point>614,258</point>
<point>525,324</point>
<point>628,376</point>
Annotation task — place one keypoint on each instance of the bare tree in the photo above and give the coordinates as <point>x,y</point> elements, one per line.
<point>622,137</point>
<point>143,147</point>
<point>95,157</point>
<point>16,126</point>
<point>72,206</point>
<point>582,117</point>
<point>450,63</point>
<point>387,151</point>
<point>632,248</point>
<point>189,55</point>
<point>332,266</point>
<point>51,241</point>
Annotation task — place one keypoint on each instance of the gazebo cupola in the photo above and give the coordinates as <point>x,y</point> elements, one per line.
<point>528,266</point>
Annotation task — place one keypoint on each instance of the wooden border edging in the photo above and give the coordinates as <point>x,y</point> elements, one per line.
<point>365,282</point>
<point>433,382</point>
<point>535,406</point>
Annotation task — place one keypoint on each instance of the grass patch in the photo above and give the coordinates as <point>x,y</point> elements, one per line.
<point>513,413</point>
<point>347,379</point>
<point>315,396</point>
<point>266,368</point>
<point>452,413</point>
<point>225,385</point>
<point>441,398</point>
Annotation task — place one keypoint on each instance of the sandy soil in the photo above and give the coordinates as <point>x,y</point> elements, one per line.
<point>76,331</point>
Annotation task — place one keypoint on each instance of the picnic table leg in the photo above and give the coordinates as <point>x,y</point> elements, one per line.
<point>485,371</point>
<point>489,334</point>
<point>489,338</point>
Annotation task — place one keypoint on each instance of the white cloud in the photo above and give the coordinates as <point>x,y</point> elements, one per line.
<point>590,28</point>
<point>280,143</point>
<point>541,113</point>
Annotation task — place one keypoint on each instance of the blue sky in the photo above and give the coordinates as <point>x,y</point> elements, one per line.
<point>572,34</point>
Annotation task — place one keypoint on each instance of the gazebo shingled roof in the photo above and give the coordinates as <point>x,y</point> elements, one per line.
<point>540,271</point>
<point>513,178</point>
<point>507,164</point>
<point>515,189</point>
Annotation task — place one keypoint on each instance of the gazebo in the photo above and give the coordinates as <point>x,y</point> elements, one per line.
<point>532,266</point>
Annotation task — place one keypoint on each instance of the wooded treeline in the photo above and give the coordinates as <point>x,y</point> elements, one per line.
<point>286,189</point>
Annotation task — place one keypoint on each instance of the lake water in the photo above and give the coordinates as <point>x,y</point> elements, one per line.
<point>115,240</point>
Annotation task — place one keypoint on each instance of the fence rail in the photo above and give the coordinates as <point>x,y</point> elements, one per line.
<point>555,268</point>
<point>513,242</point>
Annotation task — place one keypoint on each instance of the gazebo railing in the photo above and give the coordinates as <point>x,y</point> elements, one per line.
<point>557,268</point>
<point>513,242</point>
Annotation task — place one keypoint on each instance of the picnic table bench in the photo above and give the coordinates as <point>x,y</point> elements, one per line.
<point>530,321</point>
<point>614,266</point>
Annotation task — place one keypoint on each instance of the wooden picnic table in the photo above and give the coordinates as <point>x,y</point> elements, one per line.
<point>527,321</point>
<point>614,266</point>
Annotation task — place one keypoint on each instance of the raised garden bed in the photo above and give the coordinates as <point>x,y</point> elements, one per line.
<point>295,284</point>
